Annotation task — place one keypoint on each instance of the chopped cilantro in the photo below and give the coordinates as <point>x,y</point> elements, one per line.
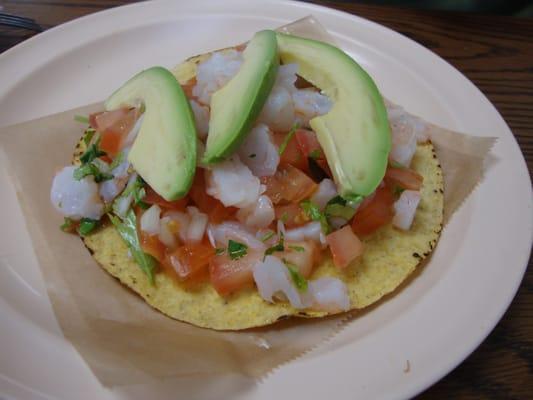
<point>81,118</point>
<point>91,169</point>
<point>87,225</point>
<point>88,136</point>
<point>284,217</point>
<point>299,281</point>
<point>68,225</point>
<point>299,249</point>
<point>92,152</point>
<point>137,190</point>
<point>127,228</point>
<point>219,251</point>
<point>267,236</point>
<point>287,139</point>
<point>315,154</point>
<point>280,246</point>
<point>313,212</point>
<point>236,250</point>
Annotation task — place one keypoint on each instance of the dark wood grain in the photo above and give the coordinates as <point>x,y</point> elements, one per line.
<point>496,53</point>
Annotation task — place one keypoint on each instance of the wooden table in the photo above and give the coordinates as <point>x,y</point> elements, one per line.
<point>496,53</point>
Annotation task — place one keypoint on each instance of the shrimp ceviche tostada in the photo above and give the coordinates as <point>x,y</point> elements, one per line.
<point>252,184</point>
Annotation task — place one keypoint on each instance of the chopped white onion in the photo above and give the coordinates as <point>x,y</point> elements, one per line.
<point>405,208</point>
<point>258,215</point>
<point>310,231</point>
<point>150,220</point>
<point>183,220</point>
<point>325,192</point>
<point>165,235</point>
<point>197,225</point>
<point>329,294</point>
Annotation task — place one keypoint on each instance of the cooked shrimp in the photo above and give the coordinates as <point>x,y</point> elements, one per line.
<point>213,73</point>
<point>259,152</point>
<point>201,118</point>
<point>308,103</point>
<point>273,280</point>
<point>233,184</point>
<point>76,199</point>
<point>258,215</point>
<point>278,111</point>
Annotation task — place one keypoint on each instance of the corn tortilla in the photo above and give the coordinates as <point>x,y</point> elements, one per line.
<point>390,256</point>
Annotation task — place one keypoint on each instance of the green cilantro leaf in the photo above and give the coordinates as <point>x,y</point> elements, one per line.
<point>299,281</point>
<point>314,213</point>
<point>127,228</point>
<point>87,225</point>
<point>236,250</point>
<point>92,152</point>
<point>280,246</point>
<point>91,169</point>
<point>287,139</point>
<point>81,118</point>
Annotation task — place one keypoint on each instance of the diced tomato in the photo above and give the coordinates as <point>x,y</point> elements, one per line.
<point>303,255</point>
<point>289,184</point>
<point>292,154</point>
<point>114,126</point>
<point>190,261</point>
<point>228,276</point>
<point>207,204</point>
<point>291,214</point>
<point>345,246</point>
<point>374,214</point>
<point>152,197</point>
<point>152,245</point>
<point>308,144</point>
<point>404,177</point>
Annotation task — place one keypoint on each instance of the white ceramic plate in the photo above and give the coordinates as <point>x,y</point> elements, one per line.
<point>434,324</point>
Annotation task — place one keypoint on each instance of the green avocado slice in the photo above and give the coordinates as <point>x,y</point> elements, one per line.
<point>355,133</point>
<point>236,106</point>
<point>164,152</point>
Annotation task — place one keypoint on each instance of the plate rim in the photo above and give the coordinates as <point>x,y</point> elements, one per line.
<point>22,47</point>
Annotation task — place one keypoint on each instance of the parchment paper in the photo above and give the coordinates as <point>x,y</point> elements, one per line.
<point>122,339</point>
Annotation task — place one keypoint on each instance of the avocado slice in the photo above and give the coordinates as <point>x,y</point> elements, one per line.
<point>164,152</point>
<point>355,133</point>
<point>236,106</point>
